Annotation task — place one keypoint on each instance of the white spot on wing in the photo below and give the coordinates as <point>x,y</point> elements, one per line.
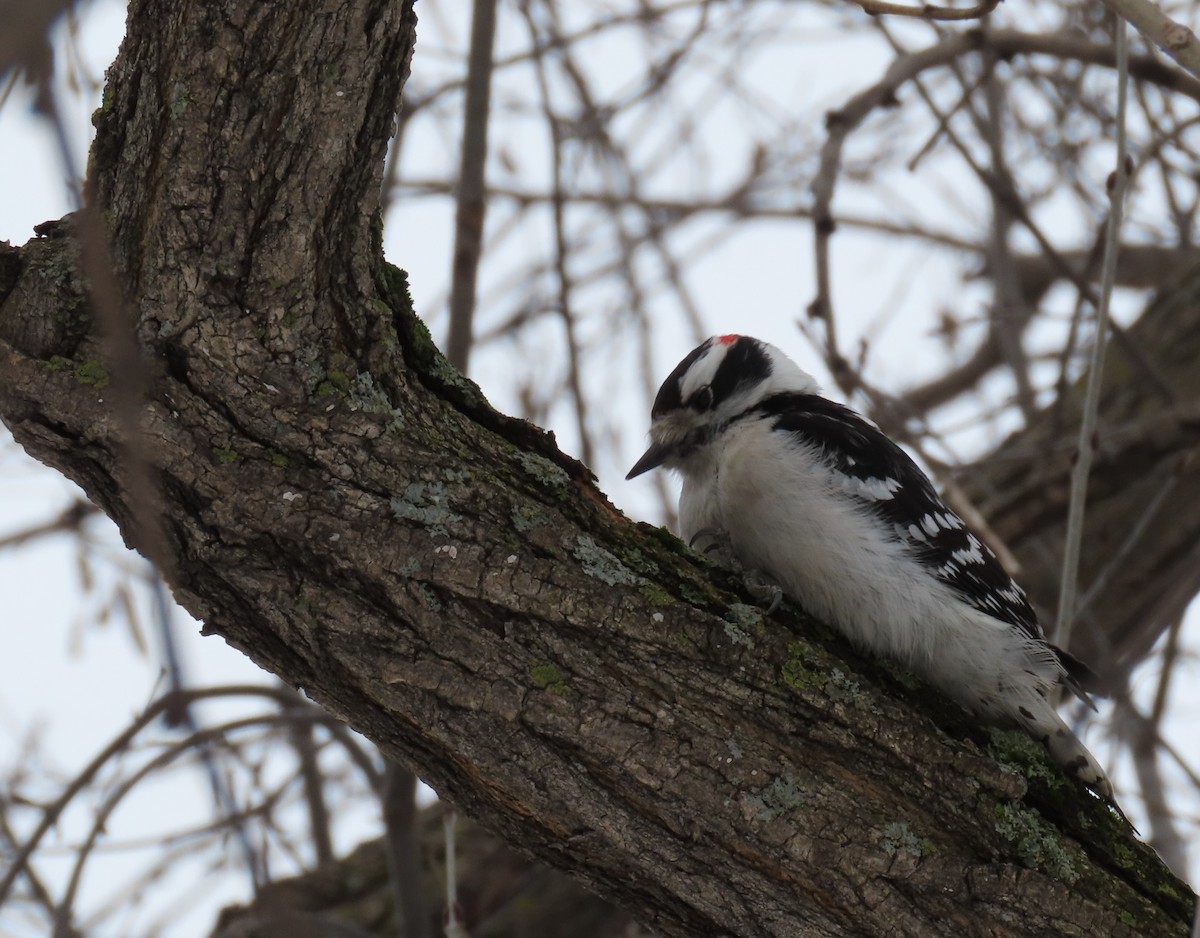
<point>873,489</point>
<point>1013,594</point>
<point>970,554</point>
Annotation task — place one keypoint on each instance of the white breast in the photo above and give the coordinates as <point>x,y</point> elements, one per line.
<point>790,516</point>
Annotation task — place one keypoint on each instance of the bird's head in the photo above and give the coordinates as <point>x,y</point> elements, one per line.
<point>718,381</point>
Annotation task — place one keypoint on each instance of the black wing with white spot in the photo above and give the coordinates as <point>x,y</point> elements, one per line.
<point>883,476</point>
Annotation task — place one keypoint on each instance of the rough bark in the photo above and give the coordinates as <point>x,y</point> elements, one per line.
<point>331,498</point>
<point>1142,434</point>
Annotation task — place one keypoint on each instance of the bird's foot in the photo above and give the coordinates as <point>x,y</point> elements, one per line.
<point>715,542</point>
<point>766,591</point>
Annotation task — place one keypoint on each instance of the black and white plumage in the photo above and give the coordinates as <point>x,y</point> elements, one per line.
<point>811,494</point>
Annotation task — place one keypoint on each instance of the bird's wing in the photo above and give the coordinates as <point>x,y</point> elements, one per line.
<point>879,473</point>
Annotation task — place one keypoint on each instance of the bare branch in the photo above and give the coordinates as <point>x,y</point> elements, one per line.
<point>68,521</point>
<point>1173,38</point>
<point>927,11</point>
<point>398,800</point>
<point>472,192</point>
<point>118,745</point>
<point>1118,184</point>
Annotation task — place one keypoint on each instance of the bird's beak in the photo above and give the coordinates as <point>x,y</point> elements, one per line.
<point>651,459</point>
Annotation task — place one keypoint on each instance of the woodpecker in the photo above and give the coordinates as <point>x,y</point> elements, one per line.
<point>809,493</point>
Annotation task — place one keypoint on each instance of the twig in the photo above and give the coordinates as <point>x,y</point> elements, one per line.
<point>839,125</point>
<point>1056,260</point>
<point>198,740</point>
<point>38,891</point>
<point>733,202</point>
<point>927,11</point>
<point>179,714</point>
<point>301,737</point>
<point>454,925</point>
<point>472,191</point>
<point>561,248</point>
<point>119,744</point>
<point>71,519</point>
<point>1173,38</point>
<point>399,804</point>
<point>1010,313</point>
<point>1091,405</point>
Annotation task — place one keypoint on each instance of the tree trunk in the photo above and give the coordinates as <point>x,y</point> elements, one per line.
<point>330,497</point>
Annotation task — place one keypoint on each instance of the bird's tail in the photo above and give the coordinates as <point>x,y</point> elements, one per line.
<point>1045,724</point>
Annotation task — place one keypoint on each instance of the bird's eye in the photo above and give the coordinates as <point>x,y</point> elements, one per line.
<point>702,399</point>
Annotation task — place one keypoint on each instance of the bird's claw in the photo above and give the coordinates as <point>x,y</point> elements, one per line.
<point>710,541</point>
<point>764,590</point>
<point>715,541</point>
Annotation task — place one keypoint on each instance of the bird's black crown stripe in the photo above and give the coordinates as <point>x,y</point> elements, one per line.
<point>669,396</point>
<point>746,363</point>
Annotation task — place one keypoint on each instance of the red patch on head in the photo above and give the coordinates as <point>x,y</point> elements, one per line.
<point>728,339</point>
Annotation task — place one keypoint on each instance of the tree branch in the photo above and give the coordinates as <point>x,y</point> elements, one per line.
<point>1173,38</point>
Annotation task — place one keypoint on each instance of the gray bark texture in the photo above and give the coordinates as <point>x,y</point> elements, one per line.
<point>251,398</point>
